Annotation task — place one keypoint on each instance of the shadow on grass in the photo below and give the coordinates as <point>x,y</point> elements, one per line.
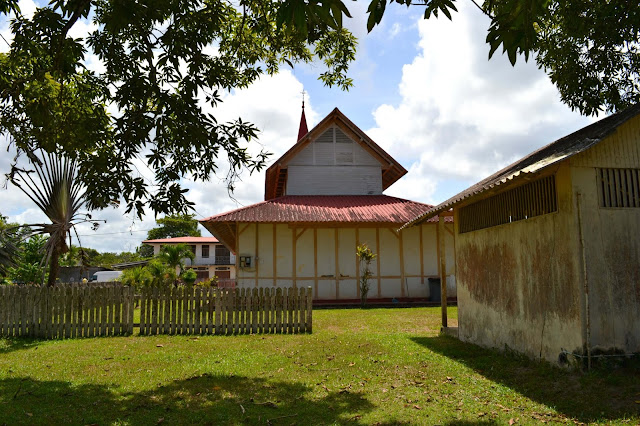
<point>206,399</point>
<point>609,393</point>
<point>8,344</point>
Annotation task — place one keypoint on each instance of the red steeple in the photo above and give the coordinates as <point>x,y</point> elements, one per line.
<point>303,130</point>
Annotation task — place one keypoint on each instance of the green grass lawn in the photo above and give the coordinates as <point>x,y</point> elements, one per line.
<point>383,366</point>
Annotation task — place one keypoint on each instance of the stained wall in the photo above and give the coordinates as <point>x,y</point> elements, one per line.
<point>518,283</point>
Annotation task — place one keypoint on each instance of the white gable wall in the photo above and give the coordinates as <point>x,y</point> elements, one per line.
<point>334,164</point>
<point>334,180</point>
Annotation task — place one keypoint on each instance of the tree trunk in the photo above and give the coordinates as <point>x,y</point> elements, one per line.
<point>54,267</point>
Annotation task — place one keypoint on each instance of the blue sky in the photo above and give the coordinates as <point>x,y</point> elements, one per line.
<point>424,90</point>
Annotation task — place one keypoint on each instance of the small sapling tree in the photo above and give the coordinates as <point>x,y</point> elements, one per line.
<point>366,256</point>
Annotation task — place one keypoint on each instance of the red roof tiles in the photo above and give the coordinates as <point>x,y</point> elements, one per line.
<point>184,240</point>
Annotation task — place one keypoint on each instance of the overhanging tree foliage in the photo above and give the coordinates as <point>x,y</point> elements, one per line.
<point>589,48</point>
<point>152,111</point>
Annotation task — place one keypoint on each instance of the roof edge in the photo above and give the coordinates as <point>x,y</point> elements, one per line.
<point>601,130</point>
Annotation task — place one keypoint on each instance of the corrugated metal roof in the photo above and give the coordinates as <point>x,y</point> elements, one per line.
<point>183,240</point>
<point>326,209</point>
<point>544,157</point>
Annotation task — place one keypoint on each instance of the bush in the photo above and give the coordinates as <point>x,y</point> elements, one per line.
<point>189,277</point>
<point>209,282</point>
<point>162,275</point>
<point>136,277</point>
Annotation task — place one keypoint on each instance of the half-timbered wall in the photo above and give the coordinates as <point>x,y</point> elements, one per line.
<point>325,259</point>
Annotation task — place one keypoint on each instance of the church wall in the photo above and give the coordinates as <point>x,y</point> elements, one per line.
<point>325,259</point>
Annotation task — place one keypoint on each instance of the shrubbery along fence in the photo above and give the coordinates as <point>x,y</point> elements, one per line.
<point>79,310</point>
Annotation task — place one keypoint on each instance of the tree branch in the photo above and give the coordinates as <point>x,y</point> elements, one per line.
<point>80,7</point>
<point>481,9</point>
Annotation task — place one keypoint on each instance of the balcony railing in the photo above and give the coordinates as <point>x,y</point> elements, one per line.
<point>212,260</point>
<point>224,260</point>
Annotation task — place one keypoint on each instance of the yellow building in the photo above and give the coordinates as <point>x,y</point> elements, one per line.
<point>323,198</point>
<point>548,249</point>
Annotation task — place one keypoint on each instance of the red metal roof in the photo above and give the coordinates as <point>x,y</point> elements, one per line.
<point>327,209</point>
<point>184,240</point>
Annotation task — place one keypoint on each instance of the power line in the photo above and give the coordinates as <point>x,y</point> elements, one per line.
<point>114,233</point>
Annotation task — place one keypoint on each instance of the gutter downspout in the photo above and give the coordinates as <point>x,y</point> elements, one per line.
<point>585,282</point>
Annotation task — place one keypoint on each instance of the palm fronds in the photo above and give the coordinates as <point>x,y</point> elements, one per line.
<point>53,186</point>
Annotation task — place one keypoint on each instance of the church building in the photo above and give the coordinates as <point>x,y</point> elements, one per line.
<point>323,198</point>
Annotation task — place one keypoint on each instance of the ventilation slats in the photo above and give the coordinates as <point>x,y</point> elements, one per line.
<point>533,199</point>
<point>619,188</point>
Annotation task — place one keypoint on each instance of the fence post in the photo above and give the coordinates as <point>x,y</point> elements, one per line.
<point>309,310</point>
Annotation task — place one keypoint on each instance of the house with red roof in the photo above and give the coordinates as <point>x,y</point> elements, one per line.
<point>323,198</point>
<point>211,257</point>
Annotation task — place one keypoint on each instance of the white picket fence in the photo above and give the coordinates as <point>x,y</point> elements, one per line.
<point>81,310</point>
<point>224,311</point>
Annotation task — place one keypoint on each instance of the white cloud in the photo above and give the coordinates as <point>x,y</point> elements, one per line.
<point>461,116</point>
<point>395,30</point>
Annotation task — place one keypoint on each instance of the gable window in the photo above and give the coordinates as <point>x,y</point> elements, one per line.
<point>205,250</point>
<point>526,201</point>
<point>619,187</point>
<point>333,147</point>
<point>344,148</point>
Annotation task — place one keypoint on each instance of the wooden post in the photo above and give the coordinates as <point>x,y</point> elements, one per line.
<point>315,262</point>
<point>357,263</point>
<point>403,282</point>
<point>337,261</point>
<point>279,304</point>
<point>378,262</point>
<point>217,294</point>
<point>275,256</point>
<point>421,256</point>
<point>294,248</point>
<point>257,258</point>
<point>309,311</point>
<point>443,270</point>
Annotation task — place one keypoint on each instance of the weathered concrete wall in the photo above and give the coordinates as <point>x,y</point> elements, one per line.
<point>612,244</point>
<point>325,259</point>
<point>518,282</point>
